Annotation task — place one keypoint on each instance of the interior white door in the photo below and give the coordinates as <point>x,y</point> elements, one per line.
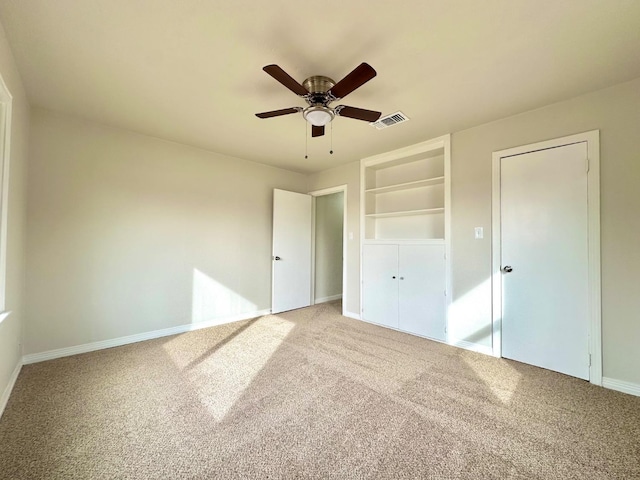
<point>380,284</point>
<point>421,293</point>
<point>544,259</point>
<point>291,260</point>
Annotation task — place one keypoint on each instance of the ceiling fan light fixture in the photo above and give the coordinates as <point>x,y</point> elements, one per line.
<point>318,115</point>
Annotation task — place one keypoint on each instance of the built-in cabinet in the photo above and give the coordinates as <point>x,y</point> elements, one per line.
<point>405,196</point>
<point>405,287</point>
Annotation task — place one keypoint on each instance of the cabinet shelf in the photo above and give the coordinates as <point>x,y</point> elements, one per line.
<point>407,185</point>
<point>406,213</point>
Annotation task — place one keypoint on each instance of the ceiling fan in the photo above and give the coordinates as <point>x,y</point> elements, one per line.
<point>319,91</point>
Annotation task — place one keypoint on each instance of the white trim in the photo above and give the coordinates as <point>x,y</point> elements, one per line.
<point>592,139</point>
<point>139,337</point>
<point>447,234</point>
<point>9,388</point>
<point>355,316</point>
<point>345,234</point>
<point>6,101</point>
<point>621,386</point>
<point>434,144</point>
<point>474,347</point>
<point>329,191</point>
<point>330,298</point>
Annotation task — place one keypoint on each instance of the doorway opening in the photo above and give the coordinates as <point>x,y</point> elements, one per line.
<point>328,252</point>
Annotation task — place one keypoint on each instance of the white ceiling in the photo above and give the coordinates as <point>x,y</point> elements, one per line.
<point>191,70</point>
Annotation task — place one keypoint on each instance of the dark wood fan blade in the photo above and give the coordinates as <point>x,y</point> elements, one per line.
<point>277,113</point>
<point>317,131</point>
<point>358,77</point>
<point>285,79</point>
<point>358,113</point>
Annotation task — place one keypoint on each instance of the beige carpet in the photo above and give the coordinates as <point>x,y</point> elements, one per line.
<point>310,394</point>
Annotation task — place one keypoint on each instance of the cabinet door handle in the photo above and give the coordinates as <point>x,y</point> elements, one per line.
<point>401,278</point>
<point>394,277</point>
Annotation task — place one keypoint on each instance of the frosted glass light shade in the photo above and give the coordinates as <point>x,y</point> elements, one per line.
<point>318,116</point>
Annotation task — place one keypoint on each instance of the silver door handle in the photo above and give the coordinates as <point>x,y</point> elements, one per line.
<point>507,269</point>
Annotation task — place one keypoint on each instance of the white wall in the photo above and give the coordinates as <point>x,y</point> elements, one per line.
<point>616,112</point>
<point>11,327</point>
<point>328,245</point>
<point>129,234</point>
<point>349,175</point>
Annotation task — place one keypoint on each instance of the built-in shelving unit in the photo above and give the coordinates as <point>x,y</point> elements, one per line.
<point>405,269</point>
<point>405,193</point>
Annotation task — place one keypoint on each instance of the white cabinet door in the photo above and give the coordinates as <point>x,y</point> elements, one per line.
<point>380,284</point>
<point>421,293</point>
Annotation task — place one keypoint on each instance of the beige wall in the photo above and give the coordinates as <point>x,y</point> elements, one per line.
<point>129,234</point>
<point>328,245</point>
<point>11,328</point>
<point>616,113</point>
<point>347,175</point>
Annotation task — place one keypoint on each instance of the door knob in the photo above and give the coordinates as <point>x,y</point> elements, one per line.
<point>507,269</point>
<point>277,258</point>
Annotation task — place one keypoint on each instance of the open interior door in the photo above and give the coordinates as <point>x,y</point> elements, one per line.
<point>291,256</point>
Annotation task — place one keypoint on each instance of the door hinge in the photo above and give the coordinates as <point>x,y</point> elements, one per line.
<point>589,359</point>
<point>587,160</point>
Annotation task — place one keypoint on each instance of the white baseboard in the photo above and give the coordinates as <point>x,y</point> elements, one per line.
<point>7,391</point>
<point>474,347</point>
<point>351,315</point>
<point>139,337</point>
<point>621,386</point>
<point>328,299</point>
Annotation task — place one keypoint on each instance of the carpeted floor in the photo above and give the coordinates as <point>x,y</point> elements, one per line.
<point>310,394</point>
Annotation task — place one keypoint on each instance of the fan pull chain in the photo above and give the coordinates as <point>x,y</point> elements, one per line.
<point>306,140</point>
<point>331,151</point>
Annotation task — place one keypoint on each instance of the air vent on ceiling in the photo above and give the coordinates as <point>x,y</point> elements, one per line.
<point>390,120</point>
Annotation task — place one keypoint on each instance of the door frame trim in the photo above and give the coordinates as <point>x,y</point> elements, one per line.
<point>314,195</point>
<point>592,139</point>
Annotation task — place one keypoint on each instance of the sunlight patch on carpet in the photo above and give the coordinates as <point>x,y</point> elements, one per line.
<point>501,381</point>
<point>221,377</point>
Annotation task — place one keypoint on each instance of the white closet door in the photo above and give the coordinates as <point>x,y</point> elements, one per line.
<point>421,292</point>
<point>545,259</point>
<point>380,284</point>
<point>291,259</point>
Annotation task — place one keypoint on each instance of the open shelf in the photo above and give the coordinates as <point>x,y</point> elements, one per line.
<point>407,213</point>
<point>407,185</point>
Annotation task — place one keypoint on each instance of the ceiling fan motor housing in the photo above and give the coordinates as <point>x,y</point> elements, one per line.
<point>318,113</point>
<point>318,84</point>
